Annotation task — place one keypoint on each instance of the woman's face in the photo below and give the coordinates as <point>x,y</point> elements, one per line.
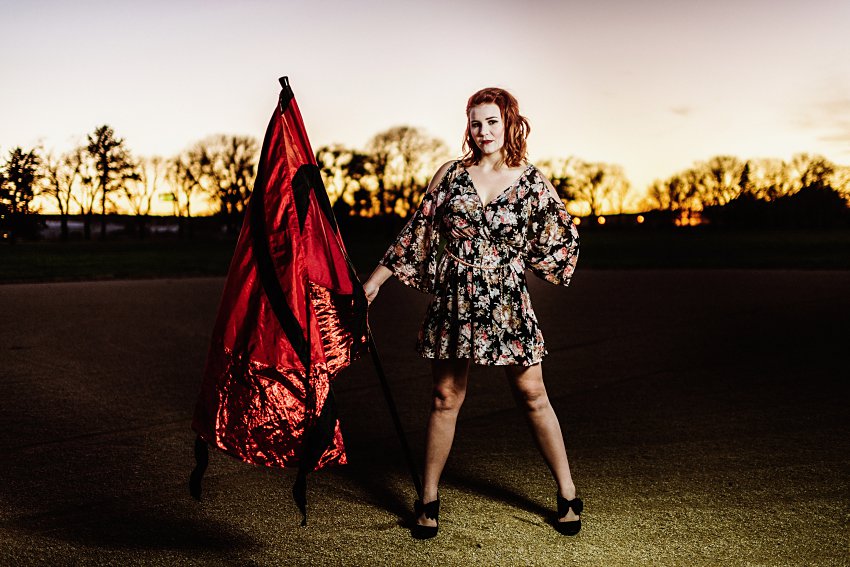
<point>487,128</point>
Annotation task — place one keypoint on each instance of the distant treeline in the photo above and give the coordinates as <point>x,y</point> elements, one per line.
<point>215,176</point>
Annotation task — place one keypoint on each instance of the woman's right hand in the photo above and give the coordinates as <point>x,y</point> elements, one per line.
<point>373,284</point>
<point>371,289</point>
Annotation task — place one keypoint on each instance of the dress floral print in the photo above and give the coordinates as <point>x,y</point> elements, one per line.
<point>472,257</point>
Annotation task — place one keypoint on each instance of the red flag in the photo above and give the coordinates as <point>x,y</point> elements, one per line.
<point>292,315</point>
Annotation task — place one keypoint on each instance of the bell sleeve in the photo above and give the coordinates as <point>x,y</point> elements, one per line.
<point>552,244</point>
<point>413,256</point>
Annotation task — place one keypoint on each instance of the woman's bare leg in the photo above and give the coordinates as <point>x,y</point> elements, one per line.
<point>449,391</point>
<point>530,393</point>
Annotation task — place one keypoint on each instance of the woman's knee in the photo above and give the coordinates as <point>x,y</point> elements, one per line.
<point>531,397</point>
<point>449,384</point>
<point>448,397</point>
<point>534,399</point>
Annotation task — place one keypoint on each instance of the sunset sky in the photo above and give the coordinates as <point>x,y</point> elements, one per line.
<point>652,86</point>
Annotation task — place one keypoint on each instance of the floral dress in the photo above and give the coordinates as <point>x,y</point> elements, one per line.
<point>472,257</point>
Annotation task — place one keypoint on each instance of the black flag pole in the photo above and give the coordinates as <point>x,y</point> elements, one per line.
<point>408,455</point>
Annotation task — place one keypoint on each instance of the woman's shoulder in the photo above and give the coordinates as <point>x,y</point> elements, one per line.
<point>451,164</point>
<point>544,183</point>
<point>441,173</point>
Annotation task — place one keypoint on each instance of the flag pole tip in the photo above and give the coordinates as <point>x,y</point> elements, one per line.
<point>284,81</point>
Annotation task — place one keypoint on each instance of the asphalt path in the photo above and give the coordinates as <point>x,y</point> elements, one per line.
<point>705,416</point>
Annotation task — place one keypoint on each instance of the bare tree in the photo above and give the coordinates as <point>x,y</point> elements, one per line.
<point>139,192</point>
<point>596,186</point>
<point>658,196</point>
<point>85,192</point>
<point>817,173</point>
<point>769,179</point>
<point>189,176</point>
<point>716,180</point>
<point>380,149</point>
<point>591,184</point>
<point>560,172</point>
<point>676,193</point>
<point>343,172</point>
<point>841,181</point>
<point>62,174</point>
<point>403,159</point>
<point>620,188</point>
<point>233,164</point>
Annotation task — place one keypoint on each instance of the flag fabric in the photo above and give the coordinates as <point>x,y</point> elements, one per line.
<point>292,315</point>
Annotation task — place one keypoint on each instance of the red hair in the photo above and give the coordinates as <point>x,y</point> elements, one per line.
<point>517,128</point>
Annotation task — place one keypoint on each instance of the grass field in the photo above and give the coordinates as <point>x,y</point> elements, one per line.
<point>699,247</point>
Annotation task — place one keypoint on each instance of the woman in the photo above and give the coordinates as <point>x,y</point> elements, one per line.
<point>483,220</point>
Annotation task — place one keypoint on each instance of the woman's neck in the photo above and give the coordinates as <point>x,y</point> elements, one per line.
<point>492,161</point>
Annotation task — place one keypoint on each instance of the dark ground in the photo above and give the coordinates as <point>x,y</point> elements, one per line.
<point>705,414</point>
<point>209,253</point>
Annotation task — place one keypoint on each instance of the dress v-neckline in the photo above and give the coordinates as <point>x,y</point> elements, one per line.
<point>502,192</point>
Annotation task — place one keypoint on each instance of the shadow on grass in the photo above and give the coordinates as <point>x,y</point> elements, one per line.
<point>116,525</point>
<point>376,474</point>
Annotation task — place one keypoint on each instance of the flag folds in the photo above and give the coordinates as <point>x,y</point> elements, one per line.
<point>292,315</point>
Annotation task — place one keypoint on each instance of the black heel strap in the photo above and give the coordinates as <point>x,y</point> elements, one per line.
<point>431,509</point>
<point>564,506</point>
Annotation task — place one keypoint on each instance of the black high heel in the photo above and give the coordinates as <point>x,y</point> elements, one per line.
<point>564,505</point>
<point>432,512</point>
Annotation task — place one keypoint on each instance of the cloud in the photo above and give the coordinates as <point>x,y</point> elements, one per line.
<point>681,110</point>
<point>840,134</point>
<point>837,113</point>
<point>830,116</point>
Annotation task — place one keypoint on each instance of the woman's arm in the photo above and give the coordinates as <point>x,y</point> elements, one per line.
<point>382,273</point>
<point>375,281</point>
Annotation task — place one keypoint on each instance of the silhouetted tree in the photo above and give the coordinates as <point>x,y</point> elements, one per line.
<point>18,184</point>
<point>358,169</point>
<point>658,196</point>
<point>86,192</point>
<point>620,191</point>
<point>593,183</point>
<point>233,161</point>
<point>62,175</point>
<point>594,186</point>
<point>841,181</point>
<point>817,172</point>
<point>139,192</point>
<point>343,170</point>
<point>189,176</point>
<point>112,165</point>
<point>716,180</point>
<point>380,149</point>
<point>20,176</point>
<point>403,159</point>
<point>560,172</point>
<point>677,193</point>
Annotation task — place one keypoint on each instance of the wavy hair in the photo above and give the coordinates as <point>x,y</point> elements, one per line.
<point>517,128</point>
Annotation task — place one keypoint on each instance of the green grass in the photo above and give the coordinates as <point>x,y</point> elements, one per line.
<point>706,247</point>
<point>122,259</point>
<point>699,247</point>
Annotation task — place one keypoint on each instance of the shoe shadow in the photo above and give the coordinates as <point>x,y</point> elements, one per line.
<point>381,479</point>
<point>495,491</point>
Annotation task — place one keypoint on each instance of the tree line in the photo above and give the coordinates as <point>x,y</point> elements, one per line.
<point>808,190</point>
<point>387,177</point>
<point>101,175</point>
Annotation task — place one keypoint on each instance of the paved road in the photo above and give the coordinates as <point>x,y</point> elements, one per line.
<point>705,414</point>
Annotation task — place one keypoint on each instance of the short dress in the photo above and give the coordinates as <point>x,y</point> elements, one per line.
<point>473,256</point>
